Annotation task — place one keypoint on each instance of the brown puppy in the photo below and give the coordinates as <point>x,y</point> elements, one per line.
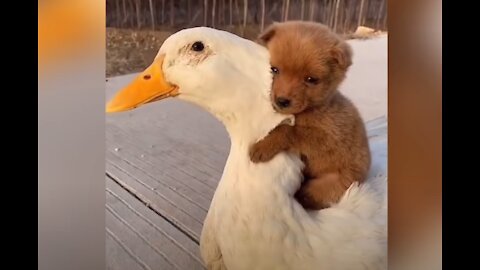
<point>309,62</point>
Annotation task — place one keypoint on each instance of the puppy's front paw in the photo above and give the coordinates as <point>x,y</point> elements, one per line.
<point>260,152</point>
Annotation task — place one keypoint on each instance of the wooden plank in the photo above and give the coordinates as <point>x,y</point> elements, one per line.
<point>161,182</point>
<point>142,249</point>
<point>164,121</point>
<point>119,256</point>
<point>179,151</point>
<point>165,203</point>
<point>139,207</point>
<point>147,180</point>
<point>172,171</point>
<point>169,178</point>
<point>377,127</point>
<point>375,123</point>
<point>159,234</point>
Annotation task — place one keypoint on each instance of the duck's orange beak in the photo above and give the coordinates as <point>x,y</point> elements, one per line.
<point>147,87</point>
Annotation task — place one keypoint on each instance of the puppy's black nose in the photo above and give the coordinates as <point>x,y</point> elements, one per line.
<point>282,102</point>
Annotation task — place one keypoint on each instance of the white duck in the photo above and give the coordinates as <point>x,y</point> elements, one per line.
<point>253,221</point>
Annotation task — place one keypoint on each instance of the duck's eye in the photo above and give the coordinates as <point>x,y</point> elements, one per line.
<point>198,46</point>
<point>311,80</point>
<point>275,70</point>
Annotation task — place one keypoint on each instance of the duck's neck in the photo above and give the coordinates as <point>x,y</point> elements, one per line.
<point>248,121</point>
<point>252,124</point>
<point>247,118</point>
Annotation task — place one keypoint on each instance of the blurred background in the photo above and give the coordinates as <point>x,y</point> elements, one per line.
<point>137,28</point>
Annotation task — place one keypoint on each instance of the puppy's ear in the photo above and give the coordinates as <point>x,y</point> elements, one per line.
<point>267,34</point>
<point>342,54</point>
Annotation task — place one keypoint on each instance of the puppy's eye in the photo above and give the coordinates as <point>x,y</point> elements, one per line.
<point>198,46</point>
<point>311,80</point>
<point>275,70</point>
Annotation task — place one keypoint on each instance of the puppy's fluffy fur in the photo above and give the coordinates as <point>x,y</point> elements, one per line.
<point>309,62</point>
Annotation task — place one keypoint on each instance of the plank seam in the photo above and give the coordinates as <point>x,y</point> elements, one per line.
<point>116,215</point>
<point>186,233</point>
<point>151,223</point>
<point>153,190</point>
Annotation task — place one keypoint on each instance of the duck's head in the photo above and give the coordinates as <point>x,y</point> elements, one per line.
<point>227,75</point>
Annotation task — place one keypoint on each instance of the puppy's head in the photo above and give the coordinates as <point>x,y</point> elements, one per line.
<point>308,62</point>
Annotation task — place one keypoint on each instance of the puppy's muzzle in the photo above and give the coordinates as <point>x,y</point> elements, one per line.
<point>282,102</point>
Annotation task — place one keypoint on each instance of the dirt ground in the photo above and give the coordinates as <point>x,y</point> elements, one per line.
<point>130,51</point>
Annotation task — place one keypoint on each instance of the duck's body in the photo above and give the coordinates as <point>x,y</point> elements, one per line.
<point>253,221</point>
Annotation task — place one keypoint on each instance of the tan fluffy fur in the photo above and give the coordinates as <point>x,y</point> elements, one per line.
<point>329,133</point>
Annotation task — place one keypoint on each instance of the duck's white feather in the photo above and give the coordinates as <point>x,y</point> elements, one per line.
<point>253,221</point>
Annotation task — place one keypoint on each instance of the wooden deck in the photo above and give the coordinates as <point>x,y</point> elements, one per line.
<point>163,162</point>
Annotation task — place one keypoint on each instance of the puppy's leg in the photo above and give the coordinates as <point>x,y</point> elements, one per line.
<point>321,192</point>
<point>278,140</point>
